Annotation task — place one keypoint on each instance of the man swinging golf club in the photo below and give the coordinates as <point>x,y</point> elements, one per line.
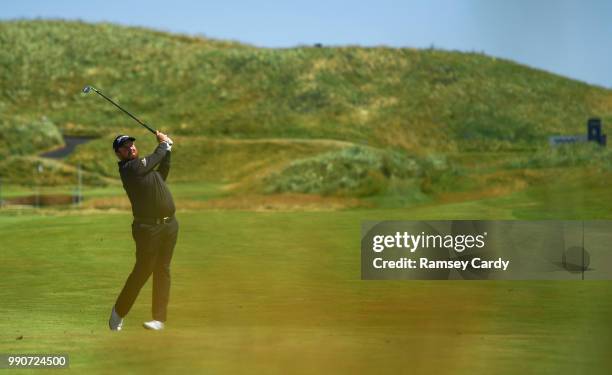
<point>154,228</point>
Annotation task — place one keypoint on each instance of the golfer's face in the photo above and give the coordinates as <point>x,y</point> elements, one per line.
<point>127,151</point>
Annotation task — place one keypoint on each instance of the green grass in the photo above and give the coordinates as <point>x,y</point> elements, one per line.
<point>280,292</point>
<point>206,159</point>
<point>33,170</point>
<point>566,156</point>
<point>23,135</point>
<point>352,171</point>
<point>195,86</point>
<point>241,114</point>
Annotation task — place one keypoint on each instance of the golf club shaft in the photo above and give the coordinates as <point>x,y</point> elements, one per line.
<point>124,111</point>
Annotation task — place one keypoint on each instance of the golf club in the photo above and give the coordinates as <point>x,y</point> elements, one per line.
<point>87,89</point>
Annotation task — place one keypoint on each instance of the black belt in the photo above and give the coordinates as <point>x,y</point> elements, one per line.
<point>153,220</point>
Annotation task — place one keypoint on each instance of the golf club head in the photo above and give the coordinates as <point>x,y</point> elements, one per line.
<point>87,89</point>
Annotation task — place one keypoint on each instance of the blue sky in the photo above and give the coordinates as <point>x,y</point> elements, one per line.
<point>568,37</point>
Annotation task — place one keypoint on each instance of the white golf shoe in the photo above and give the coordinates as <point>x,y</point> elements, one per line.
<point>115,322</point>
<point>154,325</point>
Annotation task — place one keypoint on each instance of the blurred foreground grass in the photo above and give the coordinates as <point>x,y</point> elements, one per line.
<point>280,292</point>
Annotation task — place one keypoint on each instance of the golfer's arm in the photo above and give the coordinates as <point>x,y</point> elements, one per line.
<point>164,166</point>
<point>145,165</point>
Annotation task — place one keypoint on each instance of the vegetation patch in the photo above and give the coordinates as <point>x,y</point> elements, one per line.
<point>35,171</point>
<point>23,135</point>
<point>357,170</point>
<point>570,155</point>
<point>426,100</point>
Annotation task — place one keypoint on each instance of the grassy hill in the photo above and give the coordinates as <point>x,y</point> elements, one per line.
<point>196,86</point>
<point>219,97</point>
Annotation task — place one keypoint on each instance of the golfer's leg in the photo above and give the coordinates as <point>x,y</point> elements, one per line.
<point>145,263</point>
<point>161,272</point>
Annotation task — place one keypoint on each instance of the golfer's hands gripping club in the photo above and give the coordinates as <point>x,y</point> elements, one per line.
<point>161,137</point>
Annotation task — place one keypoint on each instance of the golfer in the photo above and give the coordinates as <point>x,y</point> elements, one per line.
<point>154,228</point>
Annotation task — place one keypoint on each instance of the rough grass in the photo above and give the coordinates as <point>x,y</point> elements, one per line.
<point>207,159</point>
<point>242,114</point>
<point>577,155</point>
<point>36,171</point>
<point>356,170</point>
<point>24,135</point>
<point>413,99</point>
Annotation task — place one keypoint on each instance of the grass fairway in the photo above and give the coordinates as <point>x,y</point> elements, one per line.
<point>281,293</point>
<point>331,136</point>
